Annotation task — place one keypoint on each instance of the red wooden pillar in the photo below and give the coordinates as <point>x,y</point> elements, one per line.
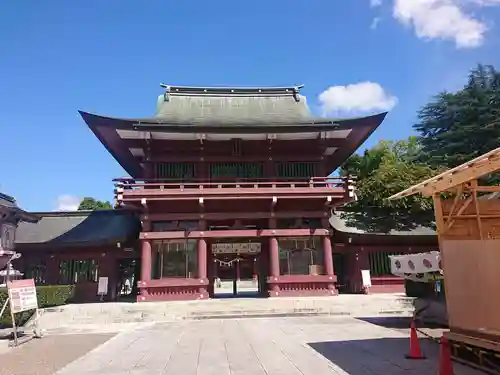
<point>145,266</point>
<point>274,265</point>
<point>328,261</point>
<point>202,258</point>
<point>328,256</point>
<point>202,267</point>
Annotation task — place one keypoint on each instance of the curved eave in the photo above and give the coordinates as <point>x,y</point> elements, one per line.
<point>220,125</point>
<point>100,126</point>
<point>105,129</point>
<point>28,217</point>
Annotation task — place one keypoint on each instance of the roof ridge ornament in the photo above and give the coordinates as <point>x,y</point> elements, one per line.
<point>166,96</point>
<point>231,90</point>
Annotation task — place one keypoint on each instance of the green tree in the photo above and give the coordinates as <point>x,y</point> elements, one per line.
<point>90,204</point>
<point>381,171</point>
<point>457,127</point>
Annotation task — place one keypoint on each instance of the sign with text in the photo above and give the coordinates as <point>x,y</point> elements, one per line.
<point>102,286</point>
<point>238,248</point>
<point>22,295</point>
<point>366,278</point>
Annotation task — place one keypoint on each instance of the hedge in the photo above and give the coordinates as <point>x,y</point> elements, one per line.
<point>424,290</point>
<point>48,296</point>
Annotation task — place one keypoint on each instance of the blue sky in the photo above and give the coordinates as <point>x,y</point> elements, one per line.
<point>109,57</point>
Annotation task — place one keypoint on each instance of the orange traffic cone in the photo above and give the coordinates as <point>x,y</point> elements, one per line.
<point>415,351</point>
<point>445,365</point>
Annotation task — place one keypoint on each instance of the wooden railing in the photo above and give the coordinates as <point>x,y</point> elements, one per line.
<point>179,184</point>
<point>135,188</point>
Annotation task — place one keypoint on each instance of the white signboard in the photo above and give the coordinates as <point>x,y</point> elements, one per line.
<point>238,248</point>
<point>102,287</point>
<point>22,295</point>
<point>415,263</point>
<point>366,278</point>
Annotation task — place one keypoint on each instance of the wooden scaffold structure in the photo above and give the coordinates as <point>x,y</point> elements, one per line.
<point>468,227</point>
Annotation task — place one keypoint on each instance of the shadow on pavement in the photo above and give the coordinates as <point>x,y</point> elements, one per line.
<point>245,294</point>
<point>397,322</point>
<point>380,356</point>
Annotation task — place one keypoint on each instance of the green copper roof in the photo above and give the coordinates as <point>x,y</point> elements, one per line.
<point>226,105</point>
<point>79,228</point>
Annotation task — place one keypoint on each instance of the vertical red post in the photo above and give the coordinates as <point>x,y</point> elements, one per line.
<point>202,267</point>
<point>274,266</point>
<point>202,258</point>
<point>145,266</point>
<point>328,256</point>
<point>328,261</point>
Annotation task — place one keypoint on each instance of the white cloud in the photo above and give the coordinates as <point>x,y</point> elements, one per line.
<point>442,19</point>
<point>485,2</point>
<point>375,23</point>
<point>375,3</point>
<point>67,202</point>
<point>359,97</point>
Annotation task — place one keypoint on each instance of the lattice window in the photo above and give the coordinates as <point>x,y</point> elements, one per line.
<point>380,264</point>
<point>174,259</point>
<point>78,271</point>
<point>298,255</point>
<point>179,171</point>
<point>296,170</point>
<point>236,170</point>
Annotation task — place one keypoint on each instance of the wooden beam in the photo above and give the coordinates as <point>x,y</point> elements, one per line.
<point>460,211</point>
<point>474,169</point>
<point>476,208</point>
<point>336,198</point>
<point>458,195</point>
<point>235,233</point>
<point>438,212</point>
<point>232,215</point>
<point>487,189</point>
<point>175,157</point>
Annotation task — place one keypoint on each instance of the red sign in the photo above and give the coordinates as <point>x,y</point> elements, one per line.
<point>22,295</point>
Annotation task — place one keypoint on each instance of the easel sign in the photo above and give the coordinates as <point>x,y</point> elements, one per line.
<point>366,279</point>
<point>22,297</point>
<point>102,287</point>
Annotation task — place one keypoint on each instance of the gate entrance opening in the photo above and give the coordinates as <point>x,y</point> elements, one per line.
<point>237,270</point>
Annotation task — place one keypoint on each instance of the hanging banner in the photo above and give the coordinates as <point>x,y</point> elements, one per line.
<point>22,295</point>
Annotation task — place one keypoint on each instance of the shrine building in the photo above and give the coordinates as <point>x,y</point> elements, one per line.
<point>233,182</point>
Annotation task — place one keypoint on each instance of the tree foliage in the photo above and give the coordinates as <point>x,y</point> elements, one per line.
<point>90,204</point>
<point>453,128</point>
<point>380,172</point>
<point>457,127</point>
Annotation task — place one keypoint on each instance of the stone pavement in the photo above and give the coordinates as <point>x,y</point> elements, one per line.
<point>260,346</point>
<point>47,355</point>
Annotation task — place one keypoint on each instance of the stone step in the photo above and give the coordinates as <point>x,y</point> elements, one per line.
<point>134,313</point>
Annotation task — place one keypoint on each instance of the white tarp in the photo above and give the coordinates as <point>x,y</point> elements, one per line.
<point>412,264</point>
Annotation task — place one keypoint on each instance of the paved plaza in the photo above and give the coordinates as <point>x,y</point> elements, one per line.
<point>254,346</point>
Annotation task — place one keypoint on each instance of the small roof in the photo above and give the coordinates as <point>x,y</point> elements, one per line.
<point>464,173</point>
<point>347,224</point>
<point>9,203</point>
<point>224,113</point>
<point>79,228</point>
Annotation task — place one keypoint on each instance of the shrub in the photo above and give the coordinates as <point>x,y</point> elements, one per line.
<point>418,289</point>
<point>48,296</point>
<point>424,290</point>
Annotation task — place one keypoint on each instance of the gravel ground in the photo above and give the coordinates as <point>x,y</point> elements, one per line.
<point>47,355</point>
